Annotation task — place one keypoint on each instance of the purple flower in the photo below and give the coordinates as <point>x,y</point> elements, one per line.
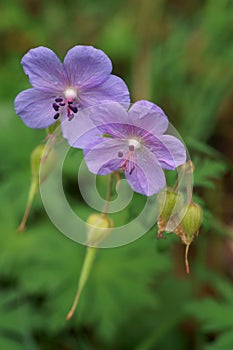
<point>133,142</point>
<point>61,91</point>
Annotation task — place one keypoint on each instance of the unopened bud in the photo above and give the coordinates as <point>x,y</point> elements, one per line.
<point>99,226</point>
<point>168,200</point>
<point>189,227</point>
<point>167,204</point>
<point>50,130</point>
<point>191,221</point>
<point>43,161</point>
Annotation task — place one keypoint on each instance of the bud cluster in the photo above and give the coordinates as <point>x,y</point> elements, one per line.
<point>190,218</point>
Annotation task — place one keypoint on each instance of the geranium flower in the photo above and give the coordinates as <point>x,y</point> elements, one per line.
<point>133,142</point>
<point>61,91</point>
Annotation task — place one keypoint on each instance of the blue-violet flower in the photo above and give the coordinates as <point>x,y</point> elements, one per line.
<point>60,91</point>
<point>133,142</point>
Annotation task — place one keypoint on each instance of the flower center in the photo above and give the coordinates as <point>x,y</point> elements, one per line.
<point>70,94</point>
<point>67,104</point>
<point>135,143</point>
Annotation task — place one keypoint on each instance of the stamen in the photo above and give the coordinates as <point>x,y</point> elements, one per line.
<point>66,105</point>
<point>56,107</point>
<point>58,99</point>
<point>131,170</point>
<point>129,163</point>
<point>120,154</point>
<point>73,109</point>
<point>131,148</point>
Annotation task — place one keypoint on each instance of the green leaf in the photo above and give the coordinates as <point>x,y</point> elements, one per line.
<point>207,171</point>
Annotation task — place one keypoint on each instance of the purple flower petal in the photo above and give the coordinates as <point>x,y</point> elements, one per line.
<point>45,70</point>
<point>111,118</point>
<point>103,158</point>
<point>176,150</point>
<point>148,116</point>
<point>162,153</point>
<point>87,67</point>
<point>113,89</point>
<point>80,130</point>
<point>147,178</point>
<point>35,108</point>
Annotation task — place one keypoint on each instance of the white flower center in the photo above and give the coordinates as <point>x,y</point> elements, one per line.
<point>134,143</point>
<point>70,93</point>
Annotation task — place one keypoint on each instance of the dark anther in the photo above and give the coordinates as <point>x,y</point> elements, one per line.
<point>56,116</point>
<point>131,170</point>
<point>70,117</point>
<point>120,154</point>
<point>56,107</point>
<point>59,99</point>
<point>70,102</point>
<point>73,109</point>
<point>62,104</point>
<point>131,148</point>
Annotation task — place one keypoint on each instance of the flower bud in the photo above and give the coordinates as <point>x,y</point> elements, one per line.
<point>168,200</point>
<point>50,130</point>
<point>167,204</point>
<point>41,165</point>
<point>99,226</point>
<point>191,221</point>
<point>189,227</point>
<point>42,162</point>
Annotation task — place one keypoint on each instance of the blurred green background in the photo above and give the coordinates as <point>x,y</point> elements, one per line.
<point>177,54</point>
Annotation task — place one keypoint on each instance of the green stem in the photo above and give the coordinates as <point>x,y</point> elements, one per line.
<point>86,268</point>
<point>108,195</point>
<point>31,195</point>
<point>90,256</point>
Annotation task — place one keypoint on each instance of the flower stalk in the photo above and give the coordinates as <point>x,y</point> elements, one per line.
<point>186,258</point>
<point>31,195</point>
<point>85,272</point>
<point>99,227</point>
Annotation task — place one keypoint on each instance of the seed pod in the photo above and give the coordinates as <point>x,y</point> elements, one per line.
<point>99,226</point>
<point>168,201</point>
<point>191,221</point>
<point>189,227</point>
